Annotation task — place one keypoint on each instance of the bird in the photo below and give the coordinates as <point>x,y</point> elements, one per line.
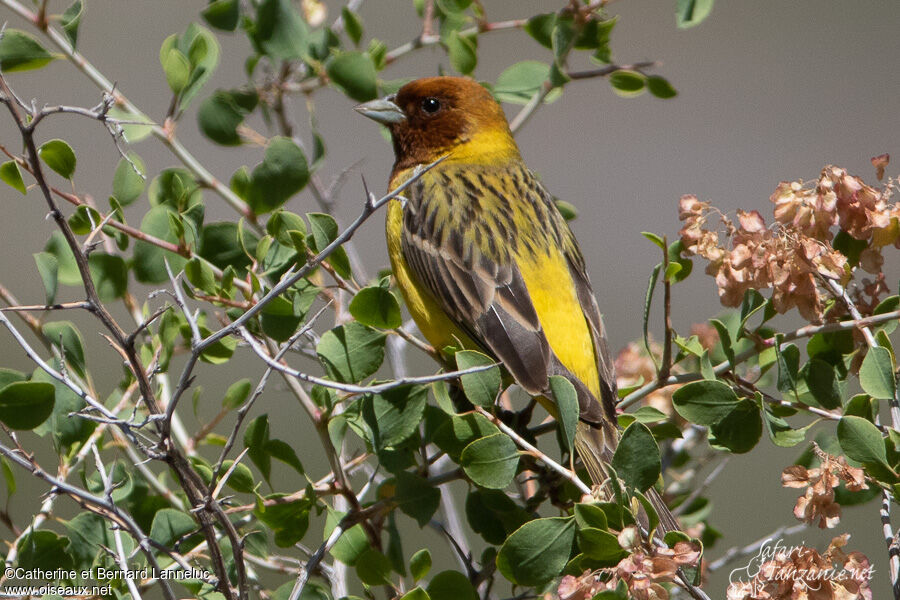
<point>485,260</point>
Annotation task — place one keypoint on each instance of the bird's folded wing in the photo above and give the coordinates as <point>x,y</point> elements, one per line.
<point>487,299</point>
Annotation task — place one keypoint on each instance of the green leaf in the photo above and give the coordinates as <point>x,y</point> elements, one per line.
<point>288,520</point>
<point>493,515</point>
<point>704,402</point>
<point>460,431</point>
<point>376,306</point>
<point>282,173</point>
<point>110,275</point>
<point>753,301</point>
<point>134,132</point>
<point>590,515</point>
<point>70,21</point>
<point>351,352</point>
<point>481,388</point>
<point>66,334</point>
<point>451,585</point>
<point>219,117</point>
<point>689,13</point>
<point>219,245</point>
<point>601,546</point>
<point>420,564</point>
<point>660,87</point>
<point>87,533</point>
<point>537,551</point>
<point>351,545</point>
<point>84,219</point>
<point>150,260</point>
<point>10,479</point>
<point>21,52</point>
<point>416,497</point>
<point>788,360</point>
<point>491,461</point>
<point>416,593</point>
<point>280,30</point>
<point>373,568</point>
<point>561,40</point>
<point>10,174</point>
<point>240,479</point>
<point>48,268</point>
<point>8,376</point>
<point>324,230</point>
<point>876,375</point>
<point>725,339</point>
<point>739,431</point>
<point>256,440</point>
<point>660,242</point>
<point>567,210</point>
<point>170,525</point>
<point>59,156</point>
<point>463,52</point>
<point>222,14</point>
<point>26,404</point>
<point>518,83</point>
<point>201,275</point>
<point>352,25</point>
<point>395,414</point>
<point>627,83</point>
<point>65,429</point>
<point>636,459</point>
<point>860,439</point>
<point>218,353</point>
<point>43,550</point>
<point>279,320</point>
<point>567,404</point>
<point>354,73</point>
<point>648,302</point>
<point>236,394</point>
<point>285,226</point>
<point>128,184</point>
<point>540,27</point>
<point>201,50</point>
<point>284,452</point>
<point>822,381</point>
<point>177,68</point>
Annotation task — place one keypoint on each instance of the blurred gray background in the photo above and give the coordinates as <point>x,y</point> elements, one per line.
<point>768,91</point>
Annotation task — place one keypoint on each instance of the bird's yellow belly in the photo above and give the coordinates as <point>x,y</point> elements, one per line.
<point>552,292</point>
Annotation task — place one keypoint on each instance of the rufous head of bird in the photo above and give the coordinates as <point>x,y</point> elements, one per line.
<point>454,117</point>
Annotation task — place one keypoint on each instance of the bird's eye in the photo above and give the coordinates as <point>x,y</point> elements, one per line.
<point>431,105</point>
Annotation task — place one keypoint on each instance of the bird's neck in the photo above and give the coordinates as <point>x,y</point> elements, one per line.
<point>487,146</point>
<point>490,146</point>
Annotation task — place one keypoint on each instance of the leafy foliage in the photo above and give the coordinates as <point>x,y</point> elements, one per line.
<point>289,291</point>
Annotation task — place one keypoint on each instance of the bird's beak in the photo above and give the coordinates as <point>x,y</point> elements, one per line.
<point>383,110</point>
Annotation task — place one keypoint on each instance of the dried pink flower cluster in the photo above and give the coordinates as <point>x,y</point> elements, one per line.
<point>801,573</point>
<point>818,501</point>
<point>790,256</point>
<point>641,572</point>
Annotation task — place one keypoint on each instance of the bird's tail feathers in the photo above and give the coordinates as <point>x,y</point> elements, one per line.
<point>595,446</point>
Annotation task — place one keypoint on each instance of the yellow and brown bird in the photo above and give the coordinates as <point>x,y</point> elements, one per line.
<point>485,260</point>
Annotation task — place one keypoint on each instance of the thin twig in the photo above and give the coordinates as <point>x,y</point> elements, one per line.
<point>534,451</point>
